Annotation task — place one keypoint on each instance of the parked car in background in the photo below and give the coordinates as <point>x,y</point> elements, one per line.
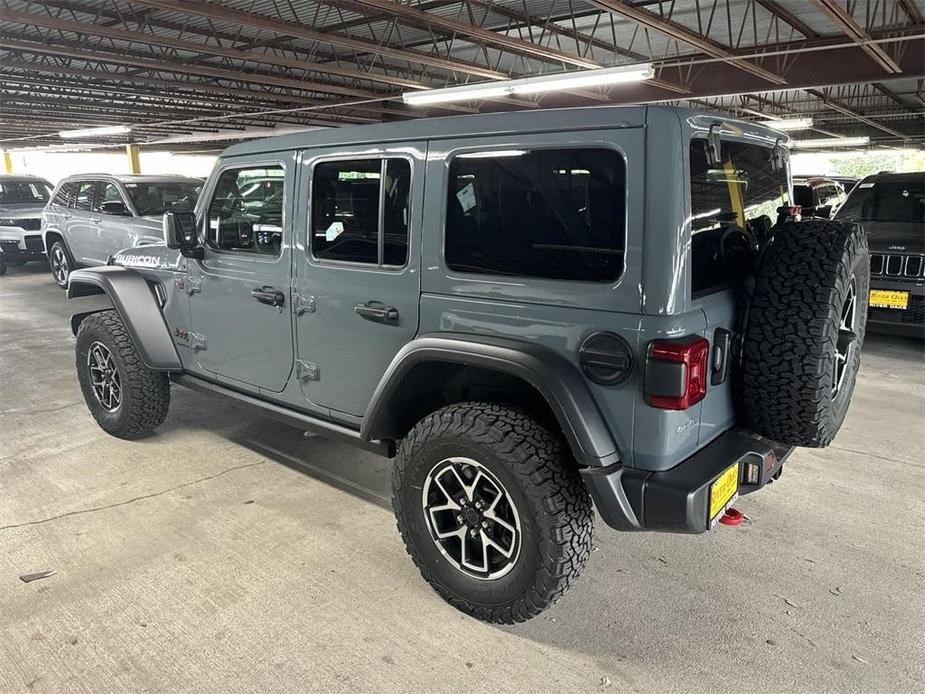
<point>847,182</point>
<point>818,196</point>
<point>22,199</point>
<point>92,216</point>
<point>891,208</point>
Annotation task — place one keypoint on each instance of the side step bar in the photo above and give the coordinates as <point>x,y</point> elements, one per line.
<point>294,418</point>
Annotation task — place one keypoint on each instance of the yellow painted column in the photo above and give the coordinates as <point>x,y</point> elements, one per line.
<point>7,162</point>
<point>134,163</point>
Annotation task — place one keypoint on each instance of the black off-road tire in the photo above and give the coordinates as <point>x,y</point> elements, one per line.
<point>53,258</point>
<point>544,485</point>
<point>793,332</point>
<point>145,396</point>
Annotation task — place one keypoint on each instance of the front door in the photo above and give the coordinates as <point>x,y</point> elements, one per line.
<point>357,269</point>
<point>241,325</point>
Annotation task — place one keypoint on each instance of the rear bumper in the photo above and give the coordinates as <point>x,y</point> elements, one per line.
<point>677,500</point>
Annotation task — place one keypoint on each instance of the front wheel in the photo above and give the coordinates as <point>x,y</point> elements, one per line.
<point>126,398</point>
<point>494,516</point>
<point>59,260</point>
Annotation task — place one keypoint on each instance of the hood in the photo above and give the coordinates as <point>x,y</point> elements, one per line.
<point>155,257</point>
<point>22,210</point>
<point>883,237</point>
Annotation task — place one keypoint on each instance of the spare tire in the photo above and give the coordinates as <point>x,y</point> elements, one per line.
<point>804,332</point>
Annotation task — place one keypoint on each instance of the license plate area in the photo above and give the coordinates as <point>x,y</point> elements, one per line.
<point>723,491</point>
<point>889,298</point>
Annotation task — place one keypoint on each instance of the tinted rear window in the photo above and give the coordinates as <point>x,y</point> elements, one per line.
<point>743,191</point>
<point>548,213</point>
<point>886,201</point>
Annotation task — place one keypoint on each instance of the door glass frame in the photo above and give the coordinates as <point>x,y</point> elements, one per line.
<point>205,202</point>
<point>313,162</point>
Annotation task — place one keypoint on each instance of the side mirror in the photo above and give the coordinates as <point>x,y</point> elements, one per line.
<point>115,207</point>
<point>180,233</point>
<point>824,211</point>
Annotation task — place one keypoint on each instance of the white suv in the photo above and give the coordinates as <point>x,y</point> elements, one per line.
<point>22,199</point>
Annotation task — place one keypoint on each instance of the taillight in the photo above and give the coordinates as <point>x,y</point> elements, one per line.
<point>676,372</point>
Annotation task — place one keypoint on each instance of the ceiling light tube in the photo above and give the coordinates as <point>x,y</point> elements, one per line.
<point>789,123</point>
<point>825,142</point>
<point>531,85</point>
<point>96,132</point>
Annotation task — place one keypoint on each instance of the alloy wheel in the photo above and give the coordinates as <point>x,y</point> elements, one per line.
<point>471,518</point>
<point>104,377</point>
<point>847,336</point>
<point>59,267</point>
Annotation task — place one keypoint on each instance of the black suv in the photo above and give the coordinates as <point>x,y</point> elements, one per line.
<point>891,208</point>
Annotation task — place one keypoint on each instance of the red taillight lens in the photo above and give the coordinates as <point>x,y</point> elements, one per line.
<point>668,392</point>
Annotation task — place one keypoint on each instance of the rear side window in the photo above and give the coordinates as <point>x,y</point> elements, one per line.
<point>360,211</point>
<point>246,223</point>
<point>731,202</point>
<point>84,195</point>
<point>65,195</point>
<point>547,213</point>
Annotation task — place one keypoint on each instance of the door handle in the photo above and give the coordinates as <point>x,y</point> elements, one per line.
<point>377,312</point>
<point>269,296</point>
<point>95,219</point>
<point>66,215</point>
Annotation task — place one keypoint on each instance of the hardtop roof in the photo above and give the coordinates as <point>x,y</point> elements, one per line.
<point>482,125</point>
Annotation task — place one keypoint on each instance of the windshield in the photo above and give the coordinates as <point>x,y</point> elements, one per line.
<point>161,197</point>
<point>24,192</point>
<point>886,201</point>
<point>732,204</point>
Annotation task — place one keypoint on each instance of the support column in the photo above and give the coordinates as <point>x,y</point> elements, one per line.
<point>7,162</point>
<point>134,163</point>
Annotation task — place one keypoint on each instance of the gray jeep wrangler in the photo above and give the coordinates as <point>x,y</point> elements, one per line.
<point>529,311</point>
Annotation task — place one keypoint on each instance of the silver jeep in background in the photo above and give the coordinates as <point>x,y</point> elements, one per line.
<point>22,199</point>
<point>93,216</point>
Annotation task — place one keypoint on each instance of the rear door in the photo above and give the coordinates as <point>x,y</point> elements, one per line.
<point>80,229</point>
<point>241,328</point>
<point>750,187</point>
<point>357,268</point>
<point>112,230</point>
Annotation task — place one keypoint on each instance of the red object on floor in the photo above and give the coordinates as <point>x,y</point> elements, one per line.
<point>732,517</point>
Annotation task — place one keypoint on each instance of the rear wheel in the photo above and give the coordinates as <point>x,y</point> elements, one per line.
<point>490,510</point>
<point>805,331</point>
<point>127,399</point>
<point>59,260</point>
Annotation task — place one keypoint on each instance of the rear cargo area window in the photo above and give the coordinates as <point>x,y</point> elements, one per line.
<point>732,204</point>
<point>547,213</point>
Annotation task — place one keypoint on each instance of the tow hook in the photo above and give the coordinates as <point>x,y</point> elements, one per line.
<point>732,517</point>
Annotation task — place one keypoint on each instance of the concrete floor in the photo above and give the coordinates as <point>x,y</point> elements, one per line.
<point>229,554</point>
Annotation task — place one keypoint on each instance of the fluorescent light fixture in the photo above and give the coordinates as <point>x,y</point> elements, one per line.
<point>827,142</point>
<point>531,85</point>
<point>789,123</point>
<point>494,154</point>
<point>96,132</point>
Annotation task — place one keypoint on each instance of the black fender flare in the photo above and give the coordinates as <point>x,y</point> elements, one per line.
<point>130,294</point>
<point>551,374</point>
